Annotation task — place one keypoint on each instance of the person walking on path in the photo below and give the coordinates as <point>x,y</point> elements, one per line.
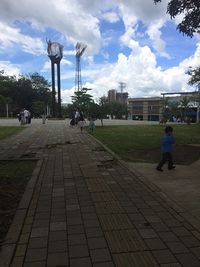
<point>166,148</point>
<point>77,116</point>
<point>91,124</point>
<point>81,121</point>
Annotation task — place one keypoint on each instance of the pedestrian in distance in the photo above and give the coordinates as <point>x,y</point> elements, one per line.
<point>91,124</point>
<point>166,148</point>
<point>77,116</point>
<point>81,121</point>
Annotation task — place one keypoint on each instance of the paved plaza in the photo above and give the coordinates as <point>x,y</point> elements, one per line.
<point>83,207</point>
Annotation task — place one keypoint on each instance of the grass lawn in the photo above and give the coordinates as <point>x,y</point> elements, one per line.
<point>14,176</point>
<point>142,142</point>
<point>6,131</point>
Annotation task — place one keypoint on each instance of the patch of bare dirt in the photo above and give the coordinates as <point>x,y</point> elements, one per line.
<point>182,154</point>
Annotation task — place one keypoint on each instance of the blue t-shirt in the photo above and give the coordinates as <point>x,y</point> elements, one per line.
<point>166,144</point>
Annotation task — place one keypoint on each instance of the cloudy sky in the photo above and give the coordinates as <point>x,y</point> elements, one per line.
<point>132,41</point>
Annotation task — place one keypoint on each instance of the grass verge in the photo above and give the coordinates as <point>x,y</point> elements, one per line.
<point>7,131</point>
<point>14,176</point>
<point>142,142</point>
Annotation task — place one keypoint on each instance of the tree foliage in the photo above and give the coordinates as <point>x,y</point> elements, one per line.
<point>190,9</point>
<point>194,77</point>
<point>82,100</point>
<point>23,92</point>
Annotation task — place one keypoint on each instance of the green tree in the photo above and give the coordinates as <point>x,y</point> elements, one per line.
<point>184,104</point>
<point>190,23</point>
<point>118,110</point>
<point>39,108</point>
<point>41,88</point>
<point>194,77</point>
<point>82,100</point>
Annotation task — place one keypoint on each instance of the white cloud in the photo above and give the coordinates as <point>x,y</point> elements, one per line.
<point>155,33</point>
<point>9,68</point>
<point>10,36</point>
<point>65,16</point>
<point>111,17</point>
<point>80,21</point>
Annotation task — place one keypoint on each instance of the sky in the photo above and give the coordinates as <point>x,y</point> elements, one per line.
<point>132,41</point>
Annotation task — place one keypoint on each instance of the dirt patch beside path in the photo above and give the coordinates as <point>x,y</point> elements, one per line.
<point>182,154</point>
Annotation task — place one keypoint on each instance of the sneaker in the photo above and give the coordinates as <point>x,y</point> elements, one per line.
<point>159,169</point>
<point>172,167</point>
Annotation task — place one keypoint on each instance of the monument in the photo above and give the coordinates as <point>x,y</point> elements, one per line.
<point>55,53</point>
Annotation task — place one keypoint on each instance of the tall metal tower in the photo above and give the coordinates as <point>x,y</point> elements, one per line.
<point>80,48</point>
<point>122,86</point>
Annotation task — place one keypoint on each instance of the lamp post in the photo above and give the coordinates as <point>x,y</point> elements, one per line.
<point>55,53</point>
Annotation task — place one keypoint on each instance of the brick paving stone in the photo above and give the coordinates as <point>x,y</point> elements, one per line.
<point>188,260</point>
<point>57,235</point>
<point>109,207</point>
<point>115,221</point>
<point>39,242</point>
<point>34,264</point>
<point>190,241</point>
<point>39,232</point>
<point>42,215</point>
<point>38,254</point>
<point>176,264</point>
<point>168,236</point>
<point>40,223</point>
<point>134,217</point>
<point>155,243</point>
<point>97,242</point>
<point>196,252</point>
<point>17,262</point>
<point>78,251</point>
<point>148,233</point>
<point>94,232</point>
<point>58,217</point>
<point>74,220</point>
<point>104,264</point>
<point>81,262</point>
<point>57,259</point>
<point>164,256</point>
<point>89,216</point>
<point>77,239</point>
<point>172,222</point>
<point>72,207</point>
<point>75,229</point>
<point>24,238</point>
<point>57,246</point>
<point>181,231</point>
<point>87,209</point>
<point>124,241</point>
<point>58,226</point>
<point>100,255</point>
<point>177,247</point>
<point>20,250</point>
<point>160,226</point>
<point>91,223</point>
<point>139,259</point>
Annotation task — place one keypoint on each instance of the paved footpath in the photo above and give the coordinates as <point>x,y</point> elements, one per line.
<point>82,207</point>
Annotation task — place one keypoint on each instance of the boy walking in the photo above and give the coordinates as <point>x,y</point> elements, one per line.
<point>166,148</point>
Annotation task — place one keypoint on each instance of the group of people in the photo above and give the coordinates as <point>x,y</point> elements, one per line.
<point>24,116</point>
<point>77,119</point>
